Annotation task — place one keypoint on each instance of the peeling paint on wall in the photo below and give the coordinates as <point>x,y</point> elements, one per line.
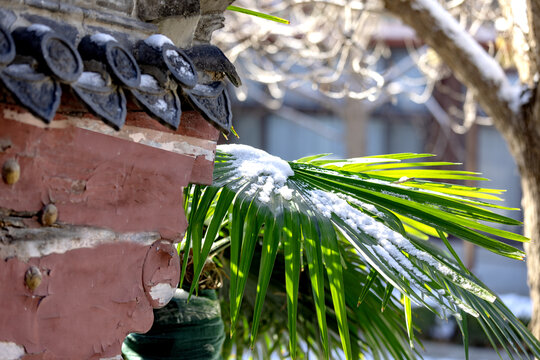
<point>173,142</point>
<point>161,273</point>
<point>177,146</point>
<point>58,240</point>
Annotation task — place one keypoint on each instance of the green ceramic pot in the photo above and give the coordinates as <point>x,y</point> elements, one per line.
<point>181,330</point>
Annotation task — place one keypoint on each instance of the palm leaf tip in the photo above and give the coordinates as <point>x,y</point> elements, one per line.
<point>258,14</point>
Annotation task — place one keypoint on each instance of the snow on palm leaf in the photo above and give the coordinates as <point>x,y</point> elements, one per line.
<point>376,209</point>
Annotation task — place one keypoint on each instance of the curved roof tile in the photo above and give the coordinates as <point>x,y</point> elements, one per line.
<point>102,71</point>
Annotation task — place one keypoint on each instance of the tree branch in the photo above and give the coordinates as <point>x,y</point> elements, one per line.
<point>469,61</point>
<point>533,15</point>
<point>519,35</point>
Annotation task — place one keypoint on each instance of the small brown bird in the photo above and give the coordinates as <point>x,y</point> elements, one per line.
<point>210,60</point>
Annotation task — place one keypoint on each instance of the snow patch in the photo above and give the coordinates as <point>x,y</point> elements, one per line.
<point>205,89</point>
<point>161,105</point>
<point>391,193</point>
<point>157,40</point>
<point>403,179</point>
<point>391,245</point>
<point>148,81</point>
<point>162,292</point>
<point>368,207</point>
<point>11,351</point>
<point>180,64</point>
<point>270,171</point>
<point>92,79</point>
<point>102,38</point>
<point>39,29</point>
<point>286,193</point>
<point>20,68</point>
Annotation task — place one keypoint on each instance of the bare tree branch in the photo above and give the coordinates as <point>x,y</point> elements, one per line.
<point>469,61</point>
<point>519,33</point>
<point>533,15</point>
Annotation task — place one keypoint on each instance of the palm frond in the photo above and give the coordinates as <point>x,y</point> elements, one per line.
<point>358,224</point>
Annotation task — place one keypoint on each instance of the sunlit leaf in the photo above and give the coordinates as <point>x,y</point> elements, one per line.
<point>257,14</point>
<point>363,227</point>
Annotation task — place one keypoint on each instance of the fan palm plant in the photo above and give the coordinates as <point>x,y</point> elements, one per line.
<point>345,246</point>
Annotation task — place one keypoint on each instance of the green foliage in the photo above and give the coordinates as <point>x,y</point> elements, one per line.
<point>356,293</point>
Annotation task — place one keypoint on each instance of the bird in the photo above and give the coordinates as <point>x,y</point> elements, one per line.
<point>213,63</point>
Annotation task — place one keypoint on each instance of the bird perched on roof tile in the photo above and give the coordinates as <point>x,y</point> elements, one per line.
<point>211,61</point>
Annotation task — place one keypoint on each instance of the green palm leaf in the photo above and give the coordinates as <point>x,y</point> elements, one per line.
<point>359,224</point>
